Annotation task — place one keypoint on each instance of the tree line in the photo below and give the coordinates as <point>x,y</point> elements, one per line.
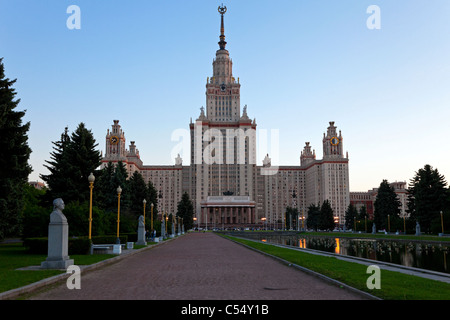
<point>73,159</point>
<point>427,196</point>
<point>25,211</point>
<point>428,201</point>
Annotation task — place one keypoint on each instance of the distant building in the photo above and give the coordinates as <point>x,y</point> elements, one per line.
<point>38,185</point>
<point>360,199</point>
<point>226,185</point>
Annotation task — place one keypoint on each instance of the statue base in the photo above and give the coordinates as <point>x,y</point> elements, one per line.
<point>57,264</point>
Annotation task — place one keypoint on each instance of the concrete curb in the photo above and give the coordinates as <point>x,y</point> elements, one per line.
<point>311,272</point>
<point>14,293</point>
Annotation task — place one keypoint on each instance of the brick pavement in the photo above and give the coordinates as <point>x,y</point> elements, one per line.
<point>198,266</point>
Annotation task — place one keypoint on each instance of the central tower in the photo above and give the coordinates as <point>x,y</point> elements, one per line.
<point>222,89</point>
<point>223,146</point>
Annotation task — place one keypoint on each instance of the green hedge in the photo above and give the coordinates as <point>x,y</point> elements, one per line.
<point>79,245</point>
<point>40,245</point>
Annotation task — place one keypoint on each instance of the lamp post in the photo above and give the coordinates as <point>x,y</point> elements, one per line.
<point>294,196</point>
<point>303,221</point>
<point>389,223</point>
<point>167,221</point>
<point>365,224</point>
<point>119,191</point>
<point>151,216</point>
<point>144,202</point>
<point>442,222</point>
<point>163,225</point>
<point>404,223</point>
<point>91,180</point>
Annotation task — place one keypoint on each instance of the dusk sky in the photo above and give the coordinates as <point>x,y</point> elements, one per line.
<point>301,65</point>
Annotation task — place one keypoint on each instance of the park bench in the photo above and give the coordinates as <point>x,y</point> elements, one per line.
<point>104,248</point>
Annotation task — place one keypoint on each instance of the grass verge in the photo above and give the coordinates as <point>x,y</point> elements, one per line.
<point>394,285</point>
<point>14,256</point>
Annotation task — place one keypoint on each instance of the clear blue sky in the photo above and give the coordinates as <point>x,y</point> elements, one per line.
<point>301,64</point>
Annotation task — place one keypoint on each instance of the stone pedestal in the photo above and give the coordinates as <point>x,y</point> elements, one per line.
<point>117,249</point>
<point>418,233</point>
<point>141,232</point>
<point>163,229</point>
<point>58,239</point>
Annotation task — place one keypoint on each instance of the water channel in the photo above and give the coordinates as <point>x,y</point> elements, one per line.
<point>419,254</point>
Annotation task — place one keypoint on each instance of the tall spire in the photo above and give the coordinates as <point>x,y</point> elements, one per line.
<point>222,42</point>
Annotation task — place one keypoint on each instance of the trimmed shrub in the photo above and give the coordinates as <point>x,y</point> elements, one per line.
<point>40,245</point>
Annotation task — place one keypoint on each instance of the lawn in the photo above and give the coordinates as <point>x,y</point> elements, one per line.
<point>394,285</point>
<point>14,256</point>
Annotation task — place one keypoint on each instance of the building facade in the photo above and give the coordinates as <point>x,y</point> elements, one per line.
<point>228,188</point>
<point>367,199</point>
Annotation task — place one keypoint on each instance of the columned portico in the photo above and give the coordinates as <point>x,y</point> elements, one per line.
<point>224,212</point>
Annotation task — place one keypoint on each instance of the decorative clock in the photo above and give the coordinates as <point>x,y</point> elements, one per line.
<point>334,141</point>
<point>114,140</point>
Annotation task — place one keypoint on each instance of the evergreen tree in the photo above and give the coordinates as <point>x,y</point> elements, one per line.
<point>427,196</point>
<point>14,156</point>
<point>312,221</point>
<point>363,213</point>
<point>185,211</point>
<point>58,167</point>
<point>83,159</point>
<point>138,192</point>
<point>152,197</point>
<point>386,204</point>
<point>72,161</point>
<point>326,220</point>
<point>105,193</point>
<point>350,214</point>
<point>291,218</point>
<point>35,213</point>
<point>120,179</point>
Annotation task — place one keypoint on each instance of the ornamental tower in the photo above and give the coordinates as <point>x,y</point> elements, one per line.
<point>115,144</point>
<point>223,143</point>
<point>222,89</point>
<point>332,143</point>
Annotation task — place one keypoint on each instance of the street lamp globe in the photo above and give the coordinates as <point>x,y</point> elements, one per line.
<point>91,178</point>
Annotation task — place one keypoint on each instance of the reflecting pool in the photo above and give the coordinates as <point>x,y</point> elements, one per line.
<point>426,255</point>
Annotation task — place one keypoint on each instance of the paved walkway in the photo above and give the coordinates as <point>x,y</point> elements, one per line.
<point>198,266</point>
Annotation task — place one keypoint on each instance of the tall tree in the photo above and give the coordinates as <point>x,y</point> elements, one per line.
<point>152,197</point>
<point>363,213</point>
<point>72,161</point>
<point>386,204</point>
<point>105,190</point>
<point>350,215</point>
<point>138,192</point>
<point>185,211</point>
<point>312,221</point>
<point>326,220</point>
<point>58,167</point>
<point>427,196</point>
<point>291,217</point>
<point>83,159</point>
<point>14,156</point>
<point>120,180</point>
